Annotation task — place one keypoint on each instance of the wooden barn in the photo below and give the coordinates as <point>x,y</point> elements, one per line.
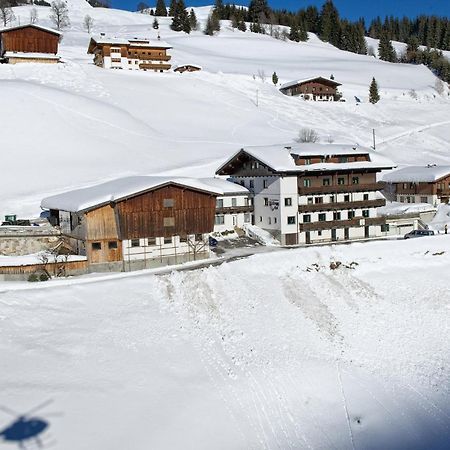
<point>137,222</point>
<point>29,43</point>
<point>187,68</point>
<point>316,89</point>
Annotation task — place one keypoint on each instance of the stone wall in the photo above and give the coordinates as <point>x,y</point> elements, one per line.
<point>17,241</point>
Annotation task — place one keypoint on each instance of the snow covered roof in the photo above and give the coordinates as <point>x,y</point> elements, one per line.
<point>135,42</point>
<point>227,187</point>
<point>307,80</point>
<point>179,66</point>
<point>31,55</point>
<point>119,189</point>
<point>417,174</point>
<point>280,158</point>
<point>39,27</point>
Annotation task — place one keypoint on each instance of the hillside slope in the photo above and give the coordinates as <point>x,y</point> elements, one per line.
<point>75,124</point>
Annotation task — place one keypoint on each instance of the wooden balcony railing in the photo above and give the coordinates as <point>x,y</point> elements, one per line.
<point>154,58</point>
<point>234,209</point>
<point>352,223</point>
<point>341,205</point>
<point>155,66</point>
<point>340,188</point>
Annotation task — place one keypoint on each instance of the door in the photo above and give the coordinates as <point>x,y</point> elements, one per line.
<point>334,234</point>
<point>366,232</point>
<point>346,234</point>
<point>308,237</point>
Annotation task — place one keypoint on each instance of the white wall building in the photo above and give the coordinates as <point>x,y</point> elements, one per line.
<point>306,193</point>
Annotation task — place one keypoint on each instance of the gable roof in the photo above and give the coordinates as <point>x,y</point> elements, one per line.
<point>84,199</point>
<point>33,25</point>
<point>307,80</point>
<point>280,158</point>
<point>227,187</point>
<point>417,174</point>
<point>135,42</point>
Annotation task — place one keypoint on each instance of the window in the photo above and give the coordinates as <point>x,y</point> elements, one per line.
<point>260,218</point>
<point>332,198</point>
<point>341,180</point>
<point>366,197</point>
<point>96,246</point>
<point>307,161</point>
<point>365,213</point>
<point>270,220</point>
<point>319,233</point>
<point>310,200</point>
<point>266,201</point>
<point>151,241</point>
<point>405,185</point>
<point>288,201</point>
<point>355,180</point>
<point>307,218</point>
<point>184,238</point>
<point>169,221</point>
<point>325,181</point>
<point>322,217</point>
<point>167,240</point>
<point>350,214</point>
<point>234,201</point>
<point>134,243</point>
<point>423,199</point>
<point>252,184</point>
<point>112,245</point>
<point>265,183</point>
<point>219,203</point>
<point>219,219</point>
<point>336,216</point>
<point>385,228</point>
<point>346,198</point>
<point>291,220</point>
<point>343,159</point>
<point>402,199</point>
<point>318,200</point>
<point>247,218</point>
<point>168,202</point>
<point>199,237</point>
<point>306,182</point>
<point>274,220</point>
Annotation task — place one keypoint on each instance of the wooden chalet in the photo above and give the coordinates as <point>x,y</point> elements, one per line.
<point>187,68</point>
<point>29,43</point>
<point>137,222</point>
<point>130,54</point>
<point>419,184</point>
<point>316,89</point>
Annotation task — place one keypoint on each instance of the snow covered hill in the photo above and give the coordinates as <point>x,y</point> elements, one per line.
<point>278,351</point>
<point>74,124</point>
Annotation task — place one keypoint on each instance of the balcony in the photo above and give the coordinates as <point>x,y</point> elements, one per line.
<point>341,205</point>
<point>352,223</point>
<point>340,188</point>
<point>234,209</point>
<point>149,66</point>
<point>154,58</point>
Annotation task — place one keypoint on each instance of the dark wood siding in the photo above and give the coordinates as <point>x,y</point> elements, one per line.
<point>29,40</point>
<point>143,216</point>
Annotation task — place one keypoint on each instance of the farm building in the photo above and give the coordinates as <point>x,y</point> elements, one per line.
<point>187,68</point>
<point>138,222</point>
<point>316,89</point>
<point>29,43</point>
<point>311,193</point>
<point>419,184</point>
<point>130,54</point>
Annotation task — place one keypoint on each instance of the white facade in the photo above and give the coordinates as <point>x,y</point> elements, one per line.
<point>158,249</point>
<point>232,212</point>
<point>414,198</point>
<point>116,61</point>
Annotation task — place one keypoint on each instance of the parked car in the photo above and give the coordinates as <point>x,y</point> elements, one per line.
<point>418,233</point>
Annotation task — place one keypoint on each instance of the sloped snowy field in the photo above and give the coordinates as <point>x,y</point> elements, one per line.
<point>277,351</point>
<point>75,124</point>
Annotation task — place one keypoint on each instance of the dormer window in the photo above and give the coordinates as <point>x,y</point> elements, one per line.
<point>343,159</point>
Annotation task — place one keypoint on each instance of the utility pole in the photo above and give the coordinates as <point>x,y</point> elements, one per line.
<point>374,139</point>
<point>257,98</point>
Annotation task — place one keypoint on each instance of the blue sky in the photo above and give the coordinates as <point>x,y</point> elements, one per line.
<point>348,8</point>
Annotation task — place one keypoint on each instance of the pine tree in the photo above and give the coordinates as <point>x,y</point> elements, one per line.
<point>161,9</point>
<point>330,25</point>
<point>257,8</point>
<point>180,21</point>
<point>155,24</point>
<point>218,6</point>
<point>275,78</point>
<point>374,96</point>
<point>212,24</point>
<point>193,20</point>
<point>386,51</point>
<point>172,8</point>
<point>242,25</point>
